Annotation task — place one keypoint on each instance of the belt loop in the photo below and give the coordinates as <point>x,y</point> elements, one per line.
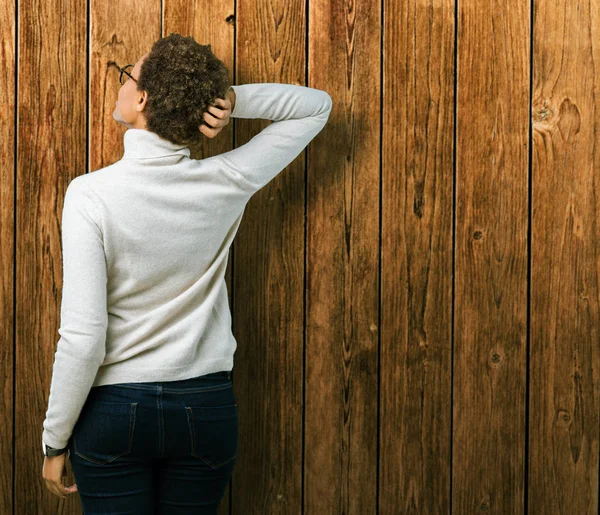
<point>229,374</point>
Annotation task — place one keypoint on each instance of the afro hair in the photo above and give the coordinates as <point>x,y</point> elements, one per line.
<point>182,78</point>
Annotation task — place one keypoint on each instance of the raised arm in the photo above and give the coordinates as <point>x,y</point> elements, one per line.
<point>298,113</point>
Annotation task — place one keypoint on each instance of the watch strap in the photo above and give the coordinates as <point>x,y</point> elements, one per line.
<point>51,451</point>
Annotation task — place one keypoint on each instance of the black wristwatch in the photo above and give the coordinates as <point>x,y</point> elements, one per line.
<point>51,451</point>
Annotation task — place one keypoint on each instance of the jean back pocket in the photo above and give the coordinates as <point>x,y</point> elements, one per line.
<point>104,431</point>
<point>213,433</point>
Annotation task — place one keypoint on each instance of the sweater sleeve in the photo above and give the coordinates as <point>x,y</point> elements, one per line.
<point>298,113</point>
<point>83,315</point>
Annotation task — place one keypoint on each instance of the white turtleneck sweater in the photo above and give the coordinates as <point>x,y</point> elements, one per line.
<point>145,244</point>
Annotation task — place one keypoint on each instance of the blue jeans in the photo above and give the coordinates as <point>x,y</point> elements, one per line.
<point>165,447</point>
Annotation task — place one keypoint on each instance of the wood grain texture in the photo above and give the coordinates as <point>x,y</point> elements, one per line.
<point>491,223</point>
<point>268,277</point>
<point>8,159</point>
<point>342,263</point>
<point>565,260</point>
<point>415,297</point>
<point>490,303</point>
<point>416,258</point>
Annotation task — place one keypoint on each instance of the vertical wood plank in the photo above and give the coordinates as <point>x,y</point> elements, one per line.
<point>210,23</point>
<point>51,142</point>
<point>416,264</point>
<point>7,248</point>
<point>268,267</point>
<point>342,285</point>
<point>493,81</point>
<point>563,466</point>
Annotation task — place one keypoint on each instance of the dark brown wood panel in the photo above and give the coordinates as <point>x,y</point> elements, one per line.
<point>268,290</point>
<point>565,260</point>
<point>491,258</point>
<point>417,114</point>
<point>342,263</point>
<point>7,248</point>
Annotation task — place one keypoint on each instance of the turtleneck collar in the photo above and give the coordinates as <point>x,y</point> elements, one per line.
<point>141,143</point>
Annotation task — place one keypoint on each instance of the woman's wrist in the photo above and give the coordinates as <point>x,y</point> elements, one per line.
<point>231,97</point>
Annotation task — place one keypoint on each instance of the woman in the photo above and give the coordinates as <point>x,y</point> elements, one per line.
<point>141,398</point>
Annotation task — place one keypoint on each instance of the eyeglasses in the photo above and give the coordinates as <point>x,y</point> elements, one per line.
<point>123,71</point>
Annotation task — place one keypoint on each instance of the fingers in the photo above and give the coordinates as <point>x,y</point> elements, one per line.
<point>221,108</point>
<point>218,113</point>
<point>209,131</point>
<point>214,122</point>
<point>223,102</point>
<point>53,473</point>
<point>215,118</point>
<point>58,488</point>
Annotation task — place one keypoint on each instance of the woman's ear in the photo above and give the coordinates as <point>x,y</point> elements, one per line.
<point>142,99</point>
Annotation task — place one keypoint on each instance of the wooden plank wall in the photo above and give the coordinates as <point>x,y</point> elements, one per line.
<point>415,298</point>
<point>7,250</point>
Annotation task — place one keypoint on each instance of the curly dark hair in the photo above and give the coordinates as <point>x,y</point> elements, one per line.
<point>182,78</point>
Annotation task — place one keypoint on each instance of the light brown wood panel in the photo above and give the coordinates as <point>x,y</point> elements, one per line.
<point>51,142</point>
<point>7,248</point>
<point>490,272</point>
<point>211,22</point>
<point>416,264</point>
<point>565,260</point>
<point>268,270</point>
<point>342,286</point>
